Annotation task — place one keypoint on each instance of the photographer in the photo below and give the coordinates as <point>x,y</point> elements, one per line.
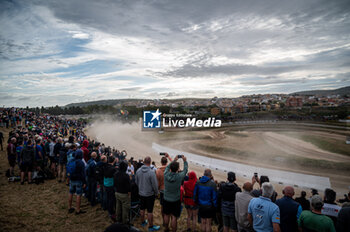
<point>345,199</point>
<point>172,183</point>
<point>260,181</point>
<point>160,178</point>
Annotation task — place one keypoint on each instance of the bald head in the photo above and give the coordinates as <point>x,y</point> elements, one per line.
<point>248,186</point>
<point>288,191</point>
<point>104,158</point>
<point>93,155</point>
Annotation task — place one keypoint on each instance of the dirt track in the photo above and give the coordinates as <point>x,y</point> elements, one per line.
<point>260,147</point>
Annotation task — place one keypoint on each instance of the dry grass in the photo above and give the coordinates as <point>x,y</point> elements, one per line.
<point>44,207</point>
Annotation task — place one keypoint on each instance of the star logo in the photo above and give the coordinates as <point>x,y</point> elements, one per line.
<point>155,114</point>
<point>151,119</point>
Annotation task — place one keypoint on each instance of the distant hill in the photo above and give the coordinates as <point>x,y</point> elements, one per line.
<point>340,91</point>
<point>100,102</point>
<point>119,101</point>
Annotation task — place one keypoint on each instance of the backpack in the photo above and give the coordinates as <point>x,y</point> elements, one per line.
<point>71,167</point>
<point>28,154</point>
<point>70,156</point>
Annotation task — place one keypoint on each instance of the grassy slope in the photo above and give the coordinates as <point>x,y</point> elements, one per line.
<point>327,144</point>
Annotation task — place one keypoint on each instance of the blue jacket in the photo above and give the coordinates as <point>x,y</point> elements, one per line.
<point>79,173</point>
<point>205,192</point>
<point>290,211</point>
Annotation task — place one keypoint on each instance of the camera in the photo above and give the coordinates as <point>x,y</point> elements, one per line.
<point>256,175</point>
<point>179,156</point>
<point>162,153</point>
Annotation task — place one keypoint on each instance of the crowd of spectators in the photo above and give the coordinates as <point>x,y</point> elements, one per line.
<point>50,147</point>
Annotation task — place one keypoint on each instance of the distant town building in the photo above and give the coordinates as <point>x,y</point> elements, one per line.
<point>214,111</point>
<point>294,102</point>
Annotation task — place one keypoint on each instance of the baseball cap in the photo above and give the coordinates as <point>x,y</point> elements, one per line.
<point>316,200</point>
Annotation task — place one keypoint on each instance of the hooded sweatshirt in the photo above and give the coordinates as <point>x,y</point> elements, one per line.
<point>172,183</point>
<point>205,192</point>
<point>146,181</point>
<point>79,174</point>
<point>189,188</point>
<point>86,150</point>
<point>122,181</point>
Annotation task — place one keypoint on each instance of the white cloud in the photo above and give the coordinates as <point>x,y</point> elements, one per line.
<point>51,51</point>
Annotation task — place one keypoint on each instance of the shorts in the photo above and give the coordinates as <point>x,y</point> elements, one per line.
<point>12,161</point>
<point>76,186</point>
<point>172,208</point>
<point>26,167</point>
<point>147,203</point>
<point>161,198</point>
<point>206,211</point>
<point>192,207</point>
<point>230,221</point>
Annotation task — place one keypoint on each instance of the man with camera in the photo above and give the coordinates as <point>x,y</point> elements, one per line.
<point>172,183</point>
<point>160,177</point>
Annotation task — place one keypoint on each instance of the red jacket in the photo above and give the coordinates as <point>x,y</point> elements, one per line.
<point>189,188</point>
<point>85,150</point>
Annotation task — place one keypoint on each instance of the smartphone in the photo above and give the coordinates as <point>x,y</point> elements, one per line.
<point>256,175</point>
<point>179,156</point>
<point>162,153</point>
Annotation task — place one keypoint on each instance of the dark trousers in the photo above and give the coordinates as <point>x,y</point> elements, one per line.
<point>110,200</point>
<point>92,188</point>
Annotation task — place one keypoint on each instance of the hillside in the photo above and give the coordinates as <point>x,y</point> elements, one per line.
<point>112,102</point>
<point>340,91</point>
<point>100,102</point>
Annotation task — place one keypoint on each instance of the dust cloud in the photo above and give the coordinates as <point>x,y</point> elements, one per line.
<point>122,136</point>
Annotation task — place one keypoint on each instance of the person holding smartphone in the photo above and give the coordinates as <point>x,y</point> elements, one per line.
<point>172,192</point>
<point>160,177</point>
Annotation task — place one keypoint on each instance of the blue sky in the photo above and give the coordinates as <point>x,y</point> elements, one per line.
<point>59,52</point>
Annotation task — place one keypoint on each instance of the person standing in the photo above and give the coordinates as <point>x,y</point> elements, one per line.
<point>305,203</point>
<point>160,179</point>
<point>314,220</point>
<point>343,222</point>
<point>77,182</point>
<point>227,196</point>
<point>172,194</point>
<point>122,184</point>
<point>241,208</point>
<point>290,210</point>
<point>146,181</point>
<point>108,183</point>
<point>1,140</point>
<point>190,204</point>
<point>27,161</point>
<point>263,214</point>
<point>11,155</point>
<point>91,178</point>
<point>206,197</point>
